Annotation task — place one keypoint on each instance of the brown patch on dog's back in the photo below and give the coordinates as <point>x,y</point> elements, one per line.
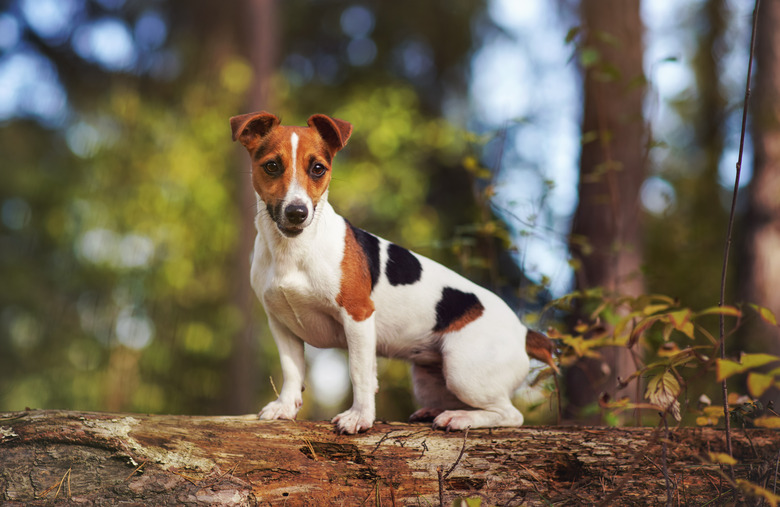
<point>355,292</point>
<point>468,317</point>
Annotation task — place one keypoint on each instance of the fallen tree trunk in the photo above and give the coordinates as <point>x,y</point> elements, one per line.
<point>99,458</point>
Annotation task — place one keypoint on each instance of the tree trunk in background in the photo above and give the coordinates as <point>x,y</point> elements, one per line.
<point>761,273</point>
<point>257,21</point>
<point>606,235</point>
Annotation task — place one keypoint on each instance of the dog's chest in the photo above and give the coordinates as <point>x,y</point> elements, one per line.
<point>303,300</point>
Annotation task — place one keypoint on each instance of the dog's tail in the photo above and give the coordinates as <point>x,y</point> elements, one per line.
<point>540,347</point>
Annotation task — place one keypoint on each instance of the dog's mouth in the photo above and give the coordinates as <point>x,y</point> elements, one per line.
<point>289,232</point>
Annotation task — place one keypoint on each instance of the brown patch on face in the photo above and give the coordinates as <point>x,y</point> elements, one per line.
<point>355,293</point>
<point>277,147</point>
<point>266,140</point>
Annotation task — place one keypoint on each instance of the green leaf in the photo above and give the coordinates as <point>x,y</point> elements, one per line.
<point>589,57</point>
<point>572,34</point>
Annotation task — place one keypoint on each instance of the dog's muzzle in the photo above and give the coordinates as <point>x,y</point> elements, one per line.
<point>291,219</point>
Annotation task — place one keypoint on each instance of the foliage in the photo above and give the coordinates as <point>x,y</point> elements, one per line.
<point>680,353</point>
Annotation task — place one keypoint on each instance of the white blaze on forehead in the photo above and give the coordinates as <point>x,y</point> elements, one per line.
<point>295,192</point>
<point>294,144</point>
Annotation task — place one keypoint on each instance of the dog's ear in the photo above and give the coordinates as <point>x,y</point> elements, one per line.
<point>335,132</point>
<point>249,128</point>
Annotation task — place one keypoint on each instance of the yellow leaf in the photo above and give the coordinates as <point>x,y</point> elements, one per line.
<point>706,421</point>
<point>750,361</point>
<point>765,314</point>
<point>757,491</point>
<point>680,318</point>
<point>721,310</point>
<point>724,368</point>
<point>758,383</point>
<point>767,421</point>
<point>722,458</point>
<point>714,411</point>
<point>651,309</point>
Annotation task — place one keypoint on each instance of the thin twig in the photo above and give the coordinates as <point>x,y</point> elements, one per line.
<point>441,486</point>
<point>441,475</point>
<point>727,246</point>
<point>462,450</point>
<point>137,469</point>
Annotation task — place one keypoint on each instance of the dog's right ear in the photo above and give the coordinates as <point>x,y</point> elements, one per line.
<point>249,128</point>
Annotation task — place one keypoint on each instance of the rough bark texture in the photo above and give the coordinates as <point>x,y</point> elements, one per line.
<point>102,459</point>
<point>606,233</point>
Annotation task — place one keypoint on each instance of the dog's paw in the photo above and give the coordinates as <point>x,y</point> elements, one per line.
<point>353,421</point>
<point>425,415</point>
<point>280,410</point>
<point>454,420</point>
<point>459,420</point>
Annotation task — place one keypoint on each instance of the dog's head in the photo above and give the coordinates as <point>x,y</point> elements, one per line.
<point>290,165</point>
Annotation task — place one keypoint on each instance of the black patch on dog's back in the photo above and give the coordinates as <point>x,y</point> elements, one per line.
<point>455,309</point>
<point>402,267</point>
<point>370,245</point>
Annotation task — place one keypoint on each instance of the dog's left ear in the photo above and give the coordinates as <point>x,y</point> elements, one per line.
<point>335,132</point>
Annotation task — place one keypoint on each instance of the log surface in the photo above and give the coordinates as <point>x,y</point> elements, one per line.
<point>132,459</point>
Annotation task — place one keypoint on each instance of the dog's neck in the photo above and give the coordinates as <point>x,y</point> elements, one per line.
<point>279,244</point>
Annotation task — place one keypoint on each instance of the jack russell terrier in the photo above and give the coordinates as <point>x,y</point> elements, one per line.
<point>324,282</point>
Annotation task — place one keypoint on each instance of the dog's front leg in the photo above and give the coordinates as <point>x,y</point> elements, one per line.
<point>361,346</point>
<point>290,348</point>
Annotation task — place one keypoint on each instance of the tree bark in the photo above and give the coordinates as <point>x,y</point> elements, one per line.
<point>762,222</point>
<point>102,459</point>
<point>606,233</point>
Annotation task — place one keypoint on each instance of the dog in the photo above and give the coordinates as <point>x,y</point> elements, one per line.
<point>327,283</point>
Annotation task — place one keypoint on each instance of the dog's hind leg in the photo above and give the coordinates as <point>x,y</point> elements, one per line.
<point>484,378</point>
<point>431,392</point>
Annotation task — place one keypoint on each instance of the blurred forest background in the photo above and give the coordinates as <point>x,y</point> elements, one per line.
<point>536,147</point>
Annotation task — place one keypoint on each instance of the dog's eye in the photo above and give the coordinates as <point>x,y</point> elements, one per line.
<point>317,170</point>
<point>272,168</point>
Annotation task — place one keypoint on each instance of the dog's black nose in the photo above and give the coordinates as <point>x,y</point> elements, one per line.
<point>296,213</point>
